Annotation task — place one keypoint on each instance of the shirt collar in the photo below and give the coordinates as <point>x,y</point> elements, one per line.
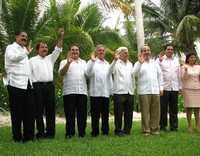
<point>17,45</point>
<point>101,61</point>
<point>121,61</point>
<point>78,60</point>
<point>172,58</point>
<point>40,57</point>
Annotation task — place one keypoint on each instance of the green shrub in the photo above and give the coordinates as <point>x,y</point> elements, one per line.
<point>3,97</point>
<point>180,104</point>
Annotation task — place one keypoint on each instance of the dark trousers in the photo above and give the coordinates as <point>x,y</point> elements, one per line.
<point>75,104</point>
<point>22,113</point>
<point>44,94</point>
<point>169,100</point>
<point>99,107</point>
<point>123,104</point>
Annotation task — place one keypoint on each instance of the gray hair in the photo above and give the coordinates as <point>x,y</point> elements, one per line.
<point>120,49</point>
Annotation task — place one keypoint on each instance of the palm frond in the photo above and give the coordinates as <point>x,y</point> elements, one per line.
<point>24,14</point>
<point>6,20</point>
<point>90,19</point>
<point>130,34</point>
<point>108,37</point>
<point>188,30</point>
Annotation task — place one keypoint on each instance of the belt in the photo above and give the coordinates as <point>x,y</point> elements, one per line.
<point>43,83</point>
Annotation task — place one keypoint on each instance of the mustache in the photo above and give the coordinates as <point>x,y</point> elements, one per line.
<point>24,39</point>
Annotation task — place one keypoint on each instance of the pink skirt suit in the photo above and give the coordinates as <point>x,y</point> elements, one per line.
<point>191,86</point>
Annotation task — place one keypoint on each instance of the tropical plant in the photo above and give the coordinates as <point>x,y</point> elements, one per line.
<point>130,8</point>
<point>174,18</point>
<point>82,26</point>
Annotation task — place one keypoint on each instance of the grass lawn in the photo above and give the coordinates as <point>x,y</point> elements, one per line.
<point>179,143</point>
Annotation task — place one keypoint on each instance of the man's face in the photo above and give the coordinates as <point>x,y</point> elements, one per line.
<point>74,51</point>
<point>146,52</point>
<point>169,51</point>
<point>100,52</point>
<point>21,39</point>
<point>124,55</point>
<point>43,49</point>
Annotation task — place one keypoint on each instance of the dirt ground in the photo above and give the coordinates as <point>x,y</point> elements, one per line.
<point>5,118</point>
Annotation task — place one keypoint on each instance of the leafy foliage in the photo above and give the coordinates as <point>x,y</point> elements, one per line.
<point>82,27</point>
<point>180,19</point>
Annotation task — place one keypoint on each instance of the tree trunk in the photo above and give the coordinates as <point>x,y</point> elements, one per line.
<point>139,24</point>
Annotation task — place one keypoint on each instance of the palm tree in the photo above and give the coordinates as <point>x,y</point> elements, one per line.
<point>133,8</point>
<point>180,19</point>
<point>139,24</point>
<point>18,15</point>
<point>83,27</point>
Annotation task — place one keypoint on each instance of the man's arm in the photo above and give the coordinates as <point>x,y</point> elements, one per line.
<point>90,65</point>
<point>58,49</point>
<point>61,37</point>
<point>63,69</point>
<point>160,78</point>
<point>138,64</point>
<point>15,54</point>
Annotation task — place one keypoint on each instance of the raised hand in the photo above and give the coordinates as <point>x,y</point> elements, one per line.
<point>61,37</point>
<point>116,55</point>
<point>29,47</point>
<point>64,70</point>
<point>140,58</point>
<point>61,32</point>
<point>186,68</point>
<point>93,56</point>
<point>69,58</point>
<point>161,56</point>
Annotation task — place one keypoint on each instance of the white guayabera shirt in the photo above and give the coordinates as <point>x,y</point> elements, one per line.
<point>150,79</point>
<point>123,77</point>
<point>100,78</point>
<point>17,66</point>
<point>74,80</point>
<point>42,67</point>
<point>171,73</point>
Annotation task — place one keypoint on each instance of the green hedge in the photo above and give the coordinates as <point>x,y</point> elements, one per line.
<point>59,100</point>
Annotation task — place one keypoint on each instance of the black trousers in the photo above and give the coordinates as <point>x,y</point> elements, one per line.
<point>44,93</point>
<point>22,113</point>
<point>75,105</point>
<point>99,107</point>
<point>123,104</point>
<point>169,100</point>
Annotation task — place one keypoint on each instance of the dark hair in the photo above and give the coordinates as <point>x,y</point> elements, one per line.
<point>19,32</point>
<point>188,56</point>
<point>37,47</point>
<point>169,45</point>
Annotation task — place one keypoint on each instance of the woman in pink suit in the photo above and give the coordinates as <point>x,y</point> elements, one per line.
<point>190,74</point>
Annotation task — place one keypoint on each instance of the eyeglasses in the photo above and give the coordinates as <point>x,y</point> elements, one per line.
<point>170,49</point>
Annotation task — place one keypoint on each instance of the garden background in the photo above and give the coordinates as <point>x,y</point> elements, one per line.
<point>173,21</point>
